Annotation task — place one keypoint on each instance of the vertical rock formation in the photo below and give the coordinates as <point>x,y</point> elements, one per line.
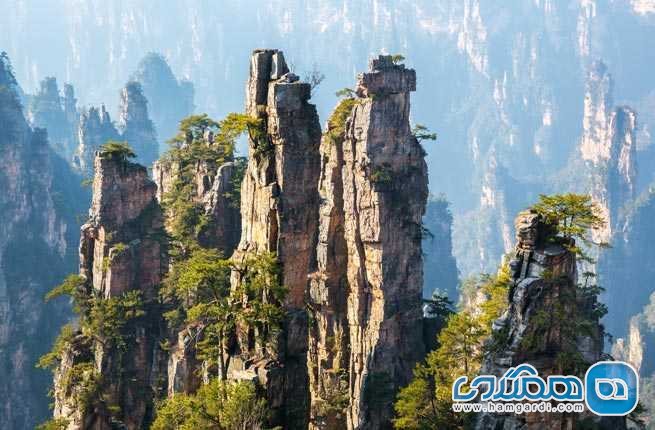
<point>170,99</point>
<point>121,251</point>
<point>374,190</point>
<point>279,211</point>
<point>135,125</point>
<point>57,114</point>
<point>626,270</point>
<point>541,325</point>
<point>214,190</point>
<point>608,148</point>
<point>38,204</point>
<point>95,129</point>
<point>440,268</point>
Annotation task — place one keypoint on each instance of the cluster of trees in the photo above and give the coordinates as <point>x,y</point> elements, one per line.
<point>467,335</point>
<point>200,140</point>
<point>197,293</point>
<point>426,402</point>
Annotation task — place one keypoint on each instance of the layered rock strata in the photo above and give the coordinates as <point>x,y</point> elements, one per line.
<point>122,249</point>
<point>365,296</point>
<point>279,212</point>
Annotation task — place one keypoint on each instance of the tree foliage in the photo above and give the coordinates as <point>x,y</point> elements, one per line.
<point>117,150</point>
<point>200,140</point>
<point>426,402</point>
<point>574,217</point>
<point>200,291</point>
<point>345,93</point>
<point>422,133</point>
<point>218,405</point>
<point>314,77</point>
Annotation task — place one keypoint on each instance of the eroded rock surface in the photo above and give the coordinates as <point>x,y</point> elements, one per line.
<point>122,249</point>
<point>365,296</point>
<point>279,211</point>
<point>541,325</point>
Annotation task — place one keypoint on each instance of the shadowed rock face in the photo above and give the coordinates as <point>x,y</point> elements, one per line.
<point>57,113</point>
<point>94,130</point>
<point>170,100</point>
<point>37,236</point>
<point>366,293</point>
<point>279,212</point>
<point>608,148</point>
<point>544,303</point>
<point>121,250</point>
<point>135,125</point>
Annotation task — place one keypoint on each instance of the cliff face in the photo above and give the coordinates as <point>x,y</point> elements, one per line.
<point>95,128</point>
<point>608,147</point>
<point>170,99</point>
<point>374,190</point>
<point>121,252</point>
<point>135,125</point>
<point>38,205</point>
<point>541,325</point>
<point>56,112</point>
<point>214,188</point>
<point>279,207</point>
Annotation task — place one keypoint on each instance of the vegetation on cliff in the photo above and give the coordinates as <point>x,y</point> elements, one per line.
<point>199,140</point>
<point>217,405</point>
<point>425,403</point>
<point>467,336</point>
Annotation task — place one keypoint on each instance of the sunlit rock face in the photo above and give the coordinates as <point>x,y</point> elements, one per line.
<point>608,148</point>
<point>509,77</point>
<point>279,213</point>
<point>374,190</point>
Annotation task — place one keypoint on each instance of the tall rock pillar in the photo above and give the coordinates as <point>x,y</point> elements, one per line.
<point>365,296</point>
<point>122,250</point>
<point>608,148</point>
<point>279,211</point>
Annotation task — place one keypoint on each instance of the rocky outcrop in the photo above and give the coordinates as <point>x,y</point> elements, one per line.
<point>39,201</point>
<point>608,147</point>
<point>540,326</point>
<point>122,250</point>
<point>170,99</point>
<point>57,113</point>
<point>215,190</point>
<point>374,189</point>
<point>135,125</point>
<point>279,211</point>
<point>95,129</point>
